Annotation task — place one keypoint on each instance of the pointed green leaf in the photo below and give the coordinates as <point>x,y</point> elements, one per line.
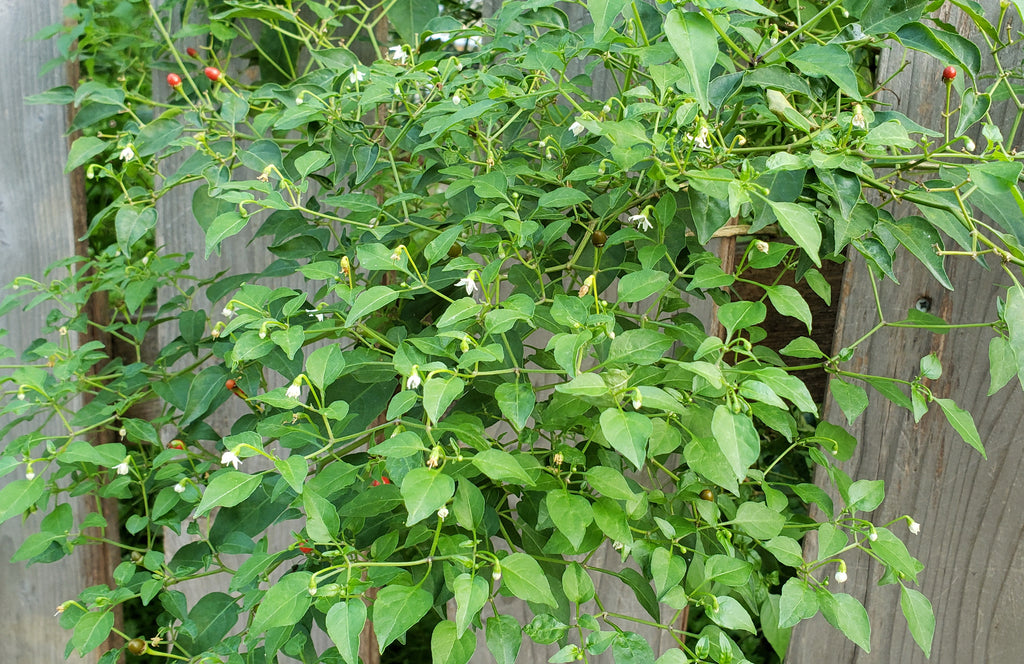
<point>695,41</point>
<point>570,513</point>
<point>920,617</point>
<point>447,647</point>
<point>516,401</point>
<point>799,222</point>
<point>370,301</point>
<point>524,578</point>
<point>425,490</point>
<point>471,593</point>
<point>227,489</point>
<point>396,610</point>
<point>737,439</point>
<point>504,638</point>
<point>627,433</point>
<point>345,622</point>
<point>439,392</point>
<point>962,421</point>
<point>284,604</point>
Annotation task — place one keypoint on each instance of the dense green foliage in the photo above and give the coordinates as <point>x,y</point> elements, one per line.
<point>484,367</point>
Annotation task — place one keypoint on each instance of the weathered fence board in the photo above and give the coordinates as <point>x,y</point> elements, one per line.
<point>969,508</point>
<point>35,229</point>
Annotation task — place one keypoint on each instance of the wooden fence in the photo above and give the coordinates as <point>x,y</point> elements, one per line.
<point>972,527</point>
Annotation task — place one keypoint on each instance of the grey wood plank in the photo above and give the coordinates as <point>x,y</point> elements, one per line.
<point>969,508</point>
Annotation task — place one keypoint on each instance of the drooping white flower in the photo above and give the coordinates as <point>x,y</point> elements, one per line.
<point>469,283</point>
<point>638,400</point>
<point>915,527</point>
<point>316,313</point>
<point>702,139</point>
<point>398,53</point>
<point>442,513</point>
<point>576,128</point>
<point>356,76</point>
<point>123,468</point>
<point>641,222</point>
<point>859,121</point>
<point>873,536</point>
<point>762,246</point>
<point>294,390</point>
<point>127,154</point>
<point>456,99</point>
<point>413,381</point>
<point>30,474</point>
<point>228,311</point>
<point>179,487</point>
<point>230,457</point>
<point>841,576</point>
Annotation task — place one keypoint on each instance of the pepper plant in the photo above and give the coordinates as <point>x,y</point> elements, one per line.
<point>483,367</point>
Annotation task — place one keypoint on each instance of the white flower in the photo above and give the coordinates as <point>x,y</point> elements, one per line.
<point>179,487</point>
<point>969,145</point>
<point>762,246</point>
<point>873,536</point>
<point>456,99</point>
<point>294,390</point>
<point>638,400</point>
<point>413,381</point>
<point>496,574</point>
<point>841,576</point>
<point>228,311</point>
<point>230,457</point>
<point>469,283</point>
<point>641,222</point>
<point>356,76</point>
<point>316,313</point>
<point>30,474</point>
<point>442,513</point>
<point>398,53</point>
<point>606,109</point>
<point>576,128</point>
<point>127,154</point>
<point>859,121</point>
<point>123,468</point>
<point>915,527</point>
<point>701,140</point>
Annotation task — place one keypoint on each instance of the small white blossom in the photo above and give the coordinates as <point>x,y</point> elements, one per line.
<point>294,390</point>
<point>316,313</point>
<point>413,381</point>
<point>263,333</point>
<point>123,468</point>
<point>496,575</point>
<point>30,474</point>
<point>179,487</point>
<point>873,536</point>
<point>859,121</point>
<point>398,53</point>
<point>356,76</point>
<point>702,139</point>
<point>606,109</point>
<point>641,222</point>
<point>841,577</point>
<point>762,246</point>
<point>638,400</point>
<point>299,100</point>
<point>228,311</point>
<point>442,513</point>
<point>469,283</point>
<point>127,154</point>
<point>576,128</point>
<point>969,145</point>
<point>230,457</point>
<point>915,527</point>
<point>456,99</point>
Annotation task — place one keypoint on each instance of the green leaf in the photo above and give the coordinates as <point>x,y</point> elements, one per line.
<point>851,399</point>
<point>577,584</point>
<point>561,198</point>
<point>439,392</point>
<point>504,638</point>
<point>19,495</point>
<point>224,226</point>
<point>944,46</point>
<point>396,610</point>
<point>631,648</point>
<point>847,614</point>
<point>788,302</point>
<point>831,61</point>
<point>799,223</point>
<point>972,110</point>
<point>471,593</point>
<point>921,239</point>
<point>737,439</point>
<point>642,284</point>
<point>759,521</point>
<point>447,647</point>
<point>91,630</point>
<point>609,482</point>
<point>627,433</point>
<point>865,495</point>
<point>1002,364</point>
<point>215,615</point>
<point>798,602</point>
<point>501,466</point>
<point>641,346</point>
<point>524,578</point>
<point>284,604</point>
<point>667,570</point>
<point>227,489</point>
<point>404,444</point>
<point>293,470</point>
<point>324,365</point>
<point>425,491</point>
<point>83,150</point>
<point>132,223</point>
<point>369,301</point>
<point>920,617</point>
<point>741,315</point>
<point>516,401</point>
<point>695,41</point>
<point>610,518</point>
<point>570,513</point>
<point>410,17</point>
<point>345,622</point>
<point>604,13</point>
<point>730,614</point>
<point>963,422</point>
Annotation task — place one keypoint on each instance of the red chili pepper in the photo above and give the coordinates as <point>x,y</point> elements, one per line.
<point>173,80</point>
<point>213,73</point>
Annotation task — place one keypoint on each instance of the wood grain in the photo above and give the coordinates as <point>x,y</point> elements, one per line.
<point>972,525</point>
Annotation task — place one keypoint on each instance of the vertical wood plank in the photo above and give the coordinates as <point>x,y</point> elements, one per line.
<point>972,525</point>
<point>35,229</point>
